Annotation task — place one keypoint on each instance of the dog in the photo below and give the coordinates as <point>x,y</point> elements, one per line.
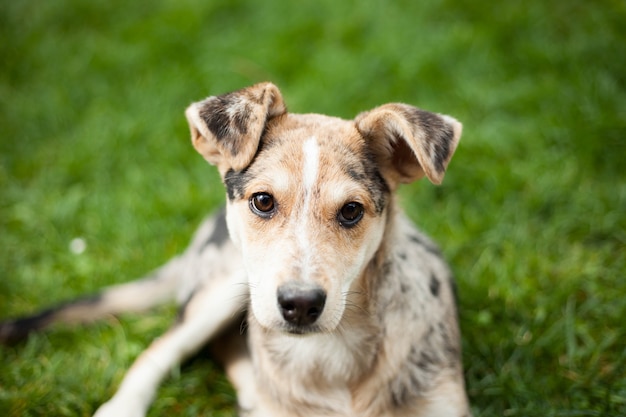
<point>318,295</point>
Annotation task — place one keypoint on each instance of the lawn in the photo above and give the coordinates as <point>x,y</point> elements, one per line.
<point>531,215</point>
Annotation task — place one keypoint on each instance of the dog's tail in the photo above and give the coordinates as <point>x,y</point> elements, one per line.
<point>154,289</point>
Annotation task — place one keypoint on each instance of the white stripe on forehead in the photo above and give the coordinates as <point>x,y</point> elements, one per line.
<point>310,170</point>
<point>311,153</point>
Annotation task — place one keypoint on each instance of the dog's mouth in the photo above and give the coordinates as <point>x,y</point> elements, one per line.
<point>301,330</point>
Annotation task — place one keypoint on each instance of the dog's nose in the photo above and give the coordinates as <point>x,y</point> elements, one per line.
<point>301,305</point>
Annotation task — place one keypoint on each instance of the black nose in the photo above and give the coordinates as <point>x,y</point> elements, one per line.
<point>300,305</point>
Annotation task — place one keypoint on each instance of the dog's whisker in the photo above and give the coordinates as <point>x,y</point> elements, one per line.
<point>243,327</point>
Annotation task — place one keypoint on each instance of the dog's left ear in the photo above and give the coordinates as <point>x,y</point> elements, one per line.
<point>408,142</point>
<point>226,129</point>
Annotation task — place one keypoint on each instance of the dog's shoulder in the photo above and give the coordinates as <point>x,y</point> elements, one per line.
<point>213,231</point>
<point>210,256</point>
<point>416,306</point>
<point>415,269</point>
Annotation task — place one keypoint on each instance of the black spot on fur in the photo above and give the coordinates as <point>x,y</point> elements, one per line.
<point>399,396</point>
<point>228,127</point>
<point>14,331</point>
<point>363,169</point>
<point>241,119</point>
<point>412,378</point>
<point>386,268</point>
<point>427,361</point>
<point>377,186</point>
<point>438,135</point>
<point>434,285</point>
<point>450,346</point>
<point>214,113</point>
<point>235,182</point>
<point>220,235</point>
<point>429,247</point>
<point>368,175</point>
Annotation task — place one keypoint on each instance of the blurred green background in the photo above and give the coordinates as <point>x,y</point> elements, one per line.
<point>532,214</point>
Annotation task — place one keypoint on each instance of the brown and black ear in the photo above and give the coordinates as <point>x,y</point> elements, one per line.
<point>409,142</point>
<point>226,129</point>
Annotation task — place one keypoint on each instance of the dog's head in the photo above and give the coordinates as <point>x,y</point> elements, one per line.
<point>308,195</point>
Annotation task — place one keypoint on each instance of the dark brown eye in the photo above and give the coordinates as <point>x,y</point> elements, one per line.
<point>350,214</point>
<point>262,204</point>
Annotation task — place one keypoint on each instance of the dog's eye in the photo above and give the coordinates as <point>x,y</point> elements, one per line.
<point>262,204</point>
<point>350,214</point>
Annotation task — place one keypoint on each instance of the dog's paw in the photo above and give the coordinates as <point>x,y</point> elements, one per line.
<point>121,408</point>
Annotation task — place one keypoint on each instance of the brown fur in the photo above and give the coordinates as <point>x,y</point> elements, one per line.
<point>349,309</point>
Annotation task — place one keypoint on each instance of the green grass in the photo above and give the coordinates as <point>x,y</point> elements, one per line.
<point>532,214</point>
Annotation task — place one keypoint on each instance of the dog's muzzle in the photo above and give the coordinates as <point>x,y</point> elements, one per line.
<point>300,304</point>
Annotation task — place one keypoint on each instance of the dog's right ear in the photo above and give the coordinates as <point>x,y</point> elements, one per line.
<point>410,142</point>
<point>226,129</point>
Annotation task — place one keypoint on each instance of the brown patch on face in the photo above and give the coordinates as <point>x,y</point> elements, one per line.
<point>347,172</point>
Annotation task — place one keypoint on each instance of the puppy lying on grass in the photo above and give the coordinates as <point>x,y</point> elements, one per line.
<point>318,294</point>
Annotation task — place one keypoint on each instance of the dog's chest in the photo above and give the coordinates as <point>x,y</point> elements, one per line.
<point>314,372</point>
<point>329,357</point>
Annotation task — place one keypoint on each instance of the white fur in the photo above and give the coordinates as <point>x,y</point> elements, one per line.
<point>311,153</point>
<point>310,169</point>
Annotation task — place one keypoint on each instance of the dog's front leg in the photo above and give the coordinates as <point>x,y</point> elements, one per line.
<point>208,311</point>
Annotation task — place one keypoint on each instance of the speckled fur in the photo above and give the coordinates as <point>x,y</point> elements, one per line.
<point>386,341</point>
